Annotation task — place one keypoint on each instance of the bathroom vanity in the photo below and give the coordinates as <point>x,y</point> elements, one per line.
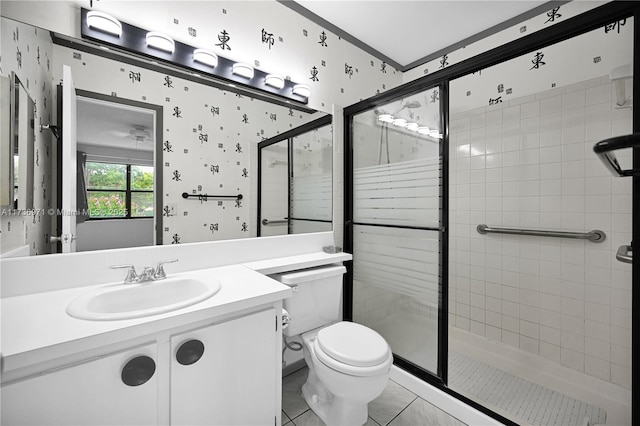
<point>196,365</point>
<point>217,361</point>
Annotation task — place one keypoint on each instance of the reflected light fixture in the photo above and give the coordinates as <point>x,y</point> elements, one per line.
<point>160,41</point>
<point>302,90</point>
<point>139,133</point>
<point>102,22</point>
<point>274,80</point>
<point>206,57</point>
<point>401,122</point>
<point>424,130</point>
<point>385,118</point>
<point>412,126</point>
<point>243,70</point>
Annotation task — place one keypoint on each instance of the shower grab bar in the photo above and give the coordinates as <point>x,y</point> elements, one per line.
<point>624,254</point>
<point>605,149</point>
<point>595,236</point>
<point>267,222</point>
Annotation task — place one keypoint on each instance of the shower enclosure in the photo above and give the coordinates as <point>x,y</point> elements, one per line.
<point>530,322</point>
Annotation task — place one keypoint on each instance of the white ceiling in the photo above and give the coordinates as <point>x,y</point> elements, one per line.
<point>408,31</point>
<point>110,124</point>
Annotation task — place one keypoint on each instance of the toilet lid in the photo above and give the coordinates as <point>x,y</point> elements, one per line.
<point>353,344</point>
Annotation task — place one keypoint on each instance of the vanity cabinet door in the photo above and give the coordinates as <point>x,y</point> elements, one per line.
<point>225,374</point>
<point>88,393</point>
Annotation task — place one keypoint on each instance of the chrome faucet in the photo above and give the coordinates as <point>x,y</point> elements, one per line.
<point>148,273</point>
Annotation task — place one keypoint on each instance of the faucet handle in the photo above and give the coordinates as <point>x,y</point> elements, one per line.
<point>160,274</point>
<point>131,277</point>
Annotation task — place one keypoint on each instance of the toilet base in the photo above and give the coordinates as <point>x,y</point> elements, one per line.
<point>332,410</point>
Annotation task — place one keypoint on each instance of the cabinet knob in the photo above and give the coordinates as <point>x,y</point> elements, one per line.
<point>138,371</point>
<point>190,352</point>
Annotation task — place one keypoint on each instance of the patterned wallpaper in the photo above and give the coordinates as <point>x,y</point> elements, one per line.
<point>28,52</point>
<point>578,59</point>
<point>209,135</point>
<point>207,142</point>
<point>545,20</point>
<point>265,34</point>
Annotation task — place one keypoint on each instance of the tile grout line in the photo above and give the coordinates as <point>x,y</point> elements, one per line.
<point>401,411</point>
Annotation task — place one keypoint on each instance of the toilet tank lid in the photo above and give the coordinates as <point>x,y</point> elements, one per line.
<point>353,344</point>
<point>310,274</point>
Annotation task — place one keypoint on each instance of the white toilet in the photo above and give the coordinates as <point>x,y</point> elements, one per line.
<point>348,363</point>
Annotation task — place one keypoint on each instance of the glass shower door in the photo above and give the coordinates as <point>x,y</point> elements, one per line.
<point>397,223</point>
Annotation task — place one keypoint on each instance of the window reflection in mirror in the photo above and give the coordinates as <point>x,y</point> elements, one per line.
<point>119,190</point>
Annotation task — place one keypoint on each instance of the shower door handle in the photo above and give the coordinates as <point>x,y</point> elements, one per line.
<point>624,254</point>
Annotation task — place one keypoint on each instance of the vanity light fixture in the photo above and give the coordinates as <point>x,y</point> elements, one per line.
<point>243,70</point>
<point>274,80</point>
<point>424,130</point>
<point>159,48</point>
<point>386,118</point>
<point>160,41</point>
<point>302,90</point>
<point>102,22</point>
<point>400,122</point>
<point>206,57</point>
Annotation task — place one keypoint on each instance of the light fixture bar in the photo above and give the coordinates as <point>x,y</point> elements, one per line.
<point>160,47</point>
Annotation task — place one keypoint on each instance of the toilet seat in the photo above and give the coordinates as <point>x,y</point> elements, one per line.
<point>353,349</point>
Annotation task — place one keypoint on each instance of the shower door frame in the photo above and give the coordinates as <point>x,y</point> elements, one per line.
<point>442,229</point>
<point>572,27</point>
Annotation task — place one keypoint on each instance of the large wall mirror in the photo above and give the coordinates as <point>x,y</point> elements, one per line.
<point>205,147</point>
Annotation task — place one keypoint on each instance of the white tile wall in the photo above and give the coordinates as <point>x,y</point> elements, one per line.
<point>529,163</point>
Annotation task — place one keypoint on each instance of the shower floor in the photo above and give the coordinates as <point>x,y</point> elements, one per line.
<point>514,397</point>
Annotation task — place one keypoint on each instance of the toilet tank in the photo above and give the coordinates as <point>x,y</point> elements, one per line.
<point>316,297</point>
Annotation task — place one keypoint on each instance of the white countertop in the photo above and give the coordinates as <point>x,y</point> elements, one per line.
<point>36,329</point>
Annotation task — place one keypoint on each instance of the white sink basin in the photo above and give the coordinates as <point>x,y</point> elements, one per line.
<point>125,301</point>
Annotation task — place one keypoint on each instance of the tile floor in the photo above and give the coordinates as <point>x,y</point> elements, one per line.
<point>396,406</point>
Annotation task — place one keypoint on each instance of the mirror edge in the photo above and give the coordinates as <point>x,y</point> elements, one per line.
<point>6,171</point>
